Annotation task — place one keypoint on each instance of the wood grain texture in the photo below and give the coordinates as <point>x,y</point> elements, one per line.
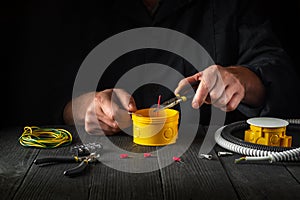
<point>195,178</point>
<point>15,161</point>
<point>110,183</point>
<point>48,182</point>
<point>294,167</point>
<point>116,178</point>
<point>261,180</point>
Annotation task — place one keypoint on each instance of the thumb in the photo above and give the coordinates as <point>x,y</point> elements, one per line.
<point>131,105</point>
<point>126,100</point>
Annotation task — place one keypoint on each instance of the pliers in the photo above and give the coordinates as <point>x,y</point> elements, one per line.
<point>84,161</point>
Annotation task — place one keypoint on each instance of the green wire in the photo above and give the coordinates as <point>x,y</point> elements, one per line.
<point>45,137</point>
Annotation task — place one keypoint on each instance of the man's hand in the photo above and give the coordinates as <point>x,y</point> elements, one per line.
<point>108,112</point>
<point>226,87</point>
<point>104,112</point>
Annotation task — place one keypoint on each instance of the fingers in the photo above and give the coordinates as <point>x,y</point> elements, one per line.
<point>184,82</point>
<point>125,99</point>
<point>121,116</point>
<point>201,95</point>
<point>234,102</point>
<point>100,128</point>
<point>219,87</point>
<point>93,125</point>
<point>105,109</point>
<point>210,79</point>
<point>106,116</point>
<point>234,91</point>
<point>231,98</point>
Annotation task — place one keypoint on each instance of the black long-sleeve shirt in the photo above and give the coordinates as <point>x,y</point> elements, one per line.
<point>50,40</point>
<point>232,32</point>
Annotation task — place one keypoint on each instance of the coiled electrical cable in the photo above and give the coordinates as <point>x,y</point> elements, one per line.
<point>225,139</point>
<point>45,137</point>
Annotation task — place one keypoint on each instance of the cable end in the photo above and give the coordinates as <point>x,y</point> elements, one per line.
<point>239,159</point>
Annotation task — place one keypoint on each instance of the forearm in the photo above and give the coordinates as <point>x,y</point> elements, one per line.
<point>75,110</point>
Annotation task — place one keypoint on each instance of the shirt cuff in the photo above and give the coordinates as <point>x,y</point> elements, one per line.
<point>250,111</point>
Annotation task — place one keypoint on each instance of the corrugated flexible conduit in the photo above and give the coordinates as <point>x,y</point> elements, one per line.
<point>251,151</point>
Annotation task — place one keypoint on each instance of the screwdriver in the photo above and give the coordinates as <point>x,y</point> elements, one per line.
<point>178,99</point>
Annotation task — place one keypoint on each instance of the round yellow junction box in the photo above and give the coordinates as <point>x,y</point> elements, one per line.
<point>155,128</point>
<point>268,131</point>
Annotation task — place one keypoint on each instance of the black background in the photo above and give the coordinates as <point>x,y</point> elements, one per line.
<point>38,55</point>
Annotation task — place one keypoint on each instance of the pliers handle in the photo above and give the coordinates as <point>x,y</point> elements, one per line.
<point>58,159</point>
<point>84,161</point>
<point>77,170</point>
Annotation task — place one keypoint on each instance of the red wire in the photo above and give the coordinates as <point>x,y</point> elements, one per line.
<point>158,102</point>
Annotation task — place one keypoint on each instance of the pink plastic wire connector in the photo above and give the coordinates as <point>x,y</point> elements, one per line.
<point>124,155</point>
<point>177,159</point>
<point>147,155</point>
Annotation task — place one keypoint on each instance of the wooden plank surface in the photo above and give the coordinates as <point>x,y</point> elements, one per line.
<point>294,167</point>
<point>113,178</point>
<point>15,161</point>
<point>48,182</point>
<point>99,181</point>
<point>110,183</point>
<point>261,179</point>
<point>294,170</point>
<point>195,178</point>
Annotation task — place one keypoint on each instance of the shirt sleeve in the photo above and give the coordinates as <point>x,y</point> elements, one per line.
<point>261,52</point>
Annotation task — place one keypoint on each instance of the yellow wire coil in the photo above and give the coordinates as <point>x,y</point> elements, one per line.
<point>45,137</point>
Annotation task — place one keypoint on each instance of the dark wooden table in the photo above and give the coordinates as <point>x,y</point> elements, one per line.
<point>194,178</point>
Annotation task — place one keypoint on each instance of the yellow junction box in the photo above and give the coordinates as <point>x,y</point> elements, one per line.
<point>155,128</point>
<point>268,136</point>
